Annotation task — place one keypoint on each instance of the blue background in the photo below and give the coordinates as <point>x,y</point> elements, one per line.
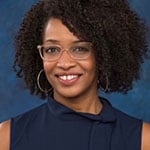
<point>15,99</point>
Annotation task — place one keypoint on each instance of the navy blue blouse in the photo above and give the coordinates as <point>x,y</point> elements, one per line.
<point>53,126</point>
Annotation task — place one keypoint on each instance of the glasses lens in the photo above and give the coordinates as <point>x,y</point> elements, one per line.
<point>50,52</point>
<point>81,51</point>
<point>54,52</point>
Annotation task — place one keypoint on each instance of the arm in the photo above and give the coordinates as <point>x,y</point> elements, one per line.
<point>146,136</point>
<point>4,135</point>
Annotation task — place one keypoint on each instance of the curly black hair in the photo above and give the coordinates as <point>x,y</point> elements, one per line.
<point>116,31</point>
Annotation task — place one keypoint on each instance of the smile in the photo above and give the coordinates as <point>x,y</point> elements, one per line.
<point>68,77</point>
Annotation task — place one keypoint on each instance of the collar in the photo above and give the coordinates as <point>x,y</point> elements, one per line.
<point>61,111</point>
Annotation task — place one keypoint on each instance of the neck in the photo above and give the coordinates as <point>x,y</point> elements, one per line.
<point>86,104</point>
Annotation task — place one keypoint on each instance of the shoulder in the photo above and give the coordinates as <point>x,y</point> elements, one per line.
<point>17,125</point>
<point>126,118</point>
<point>129,129</point>
<point>129,124</point>
<point>146,136</point>
<point>4,135</point>
<point>135,127</point>
<point>32,112</point>
<point>122,117</point>
<point>22,120</point>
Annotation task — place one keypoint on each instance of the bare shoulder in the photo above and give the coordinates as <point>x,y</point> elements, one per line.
<point>4,135</point>
<point>146,136</point>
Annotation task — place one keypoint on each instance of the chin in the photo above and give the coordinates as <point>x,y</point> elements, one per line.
<point>68,94</point>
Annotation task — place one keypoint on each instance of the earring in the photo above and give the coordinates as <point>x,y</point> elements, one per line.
<point>107,84</point>
<point>106,89</point>
<point>38,83</point>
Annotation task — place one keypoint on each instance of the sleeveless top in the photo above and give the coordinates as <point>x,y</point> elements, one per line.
<point>53,126</point>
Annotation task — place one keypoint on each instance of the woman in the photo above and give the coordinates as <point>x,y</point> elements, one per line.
<point>82,46</point>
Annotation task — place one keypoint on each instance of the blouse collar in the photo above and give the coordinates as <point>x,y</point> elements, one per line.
<point>63,112</point>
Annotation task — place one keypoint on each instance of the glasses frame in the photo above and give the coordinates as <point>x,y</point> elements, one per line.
<point>39,47</point>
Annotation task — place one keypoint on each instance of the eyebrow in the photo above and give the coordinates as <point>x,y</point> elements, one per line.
<point>56,41</point>
<point>51,41</point>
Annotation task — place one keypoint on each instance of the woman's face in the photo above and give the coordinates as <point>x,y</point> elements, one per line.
<point>70,78</point>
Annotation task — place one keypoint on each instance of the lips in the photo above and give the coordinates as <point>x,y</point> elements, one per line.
<point>68,79</point>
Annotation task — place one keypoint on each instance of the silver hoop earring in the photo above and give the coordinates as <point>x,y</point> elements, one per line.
<point>106,89</point>
<point>38,83</point>
<point>107,85</point>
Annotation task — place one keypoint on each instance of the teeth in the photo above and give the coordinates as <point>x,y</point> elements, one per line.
<point>67,77</point>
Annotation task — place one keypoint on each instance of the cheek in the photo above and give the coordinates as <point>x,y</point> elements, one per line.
<point>90,69</point>
<point>93,69</point>
<point>92,65</point>
<point>48,67</point>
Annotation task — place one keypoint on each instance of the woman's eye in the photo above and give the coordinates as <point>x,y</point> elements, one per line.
<point>80,49</point>
<point>52,50</point>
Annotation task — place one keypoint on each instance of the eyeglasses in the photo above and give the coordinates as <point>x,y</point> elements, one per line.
<point>52,52</point>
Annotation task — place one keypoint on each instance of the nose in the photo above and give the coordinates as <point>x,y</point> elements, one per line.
<point>65,61</point>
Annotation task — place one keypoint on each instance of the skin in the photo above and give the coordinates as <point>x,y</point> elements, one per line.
<point>4,135</point>
<point>82,95</point>
<point>80,92</point>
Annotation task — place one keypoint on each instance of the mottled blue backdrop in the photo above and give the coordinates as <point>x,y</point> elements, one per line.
<point>14,99</point>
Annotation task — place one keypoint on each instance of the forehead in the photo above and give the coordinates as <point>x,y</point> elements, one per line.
<point>56,30</point>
